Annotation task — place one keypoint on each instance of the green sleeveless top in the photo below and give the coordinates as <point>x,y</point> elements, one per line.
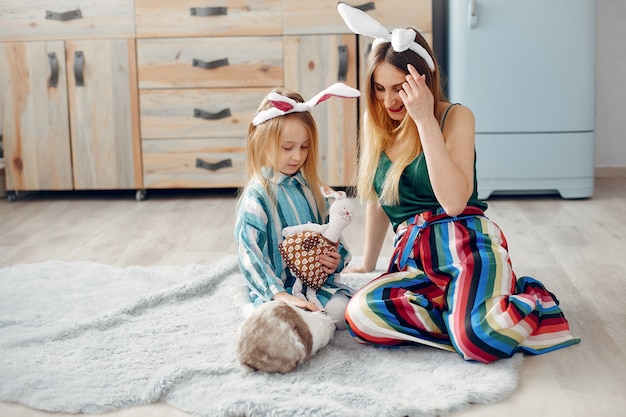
<point>415,190</point>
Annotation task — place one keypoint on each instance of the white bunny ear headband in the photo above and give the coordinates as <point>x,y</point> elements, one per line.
<point>282,105</point>
<point>361,23</point>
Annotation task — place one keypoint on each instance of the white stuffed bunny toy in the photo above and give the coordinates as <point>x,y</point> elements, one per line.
<point>304,243</point>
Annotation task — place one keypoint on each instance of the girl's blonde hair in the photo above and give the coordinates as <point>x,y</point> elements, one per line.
<point>263,146</point>
<point>379,130</point>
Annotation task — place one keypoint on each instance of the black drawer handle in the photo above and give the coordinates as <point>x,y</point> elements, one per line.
<point>367,6</point>
<point>211,64</point>
<point>201,114</point>
<point>208,11</point>
<point>225,163</point>
<point>343,63</point>
<point>79,63</point>
<point>65,16</point>
<point>54,69</point>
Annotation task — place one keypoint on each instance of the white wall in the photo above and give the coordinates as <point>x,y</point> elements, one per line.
<point>610,139</point>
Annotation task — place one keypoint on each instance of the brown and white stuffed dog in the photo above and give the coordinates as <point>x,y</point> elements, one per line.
<point>278,337</point>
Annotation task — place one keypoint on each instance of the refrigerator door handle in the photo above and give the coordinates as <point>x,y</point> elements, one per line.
<point>472,14</point>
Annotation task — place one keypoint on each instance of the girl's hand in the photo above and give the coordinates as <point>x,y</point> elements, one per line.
<point>416,96</point>
<point>330,261</point>
<point>296,301</point>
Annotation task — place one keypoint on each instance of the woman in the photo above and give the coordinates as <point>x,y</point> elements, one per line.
<point>450,283</point>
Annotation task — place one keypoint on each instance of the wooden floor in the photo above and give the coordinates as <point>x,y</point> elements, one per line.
<point>576,247</point>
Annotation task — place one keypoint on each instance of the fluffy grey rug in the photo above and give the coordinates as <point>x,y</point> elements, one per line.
<point>86,337</point>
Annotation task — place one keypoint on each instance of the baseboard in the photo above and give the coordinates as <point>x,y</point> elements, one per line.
<point>610,172</point>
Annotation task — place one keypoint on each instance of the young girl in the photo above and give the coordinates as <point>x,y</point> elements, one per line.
<point>283,189</point>
<point>450,283</point>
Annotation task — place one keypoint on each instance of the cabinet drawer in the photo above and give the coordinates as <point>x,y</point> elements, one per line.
<point>64,19</point>
<point>210,62</point>
<point>303,17</point>
<point>179,113</point>
<point>165,18</point>
<point>173,163</point>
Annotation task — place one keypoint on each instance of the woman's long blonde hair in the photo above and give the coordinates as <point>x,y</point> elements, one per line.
<point>379,130</point>
<point>263,145</point>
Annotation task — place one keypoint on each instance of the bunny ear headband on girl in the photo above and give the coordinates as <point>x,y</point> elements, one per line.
<point>361,23</point>
<point>282,105</point>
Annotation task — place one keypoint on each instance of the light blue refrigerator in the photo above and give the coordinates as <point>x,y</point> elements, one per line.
<point>527,71</point>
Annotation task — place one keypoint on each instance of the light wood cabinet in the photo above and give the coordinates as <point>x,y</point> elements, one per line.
<point>188,18</point>
<point>66,19</point>
<point>69,96</point>
<point>35,128</point>
<point>209,62</point>
<point>321,16</point>
<point>104,116</point>
<point>220,58</point>
<point>169,88</point>
<point>203,71</point>
<point>194,138</point>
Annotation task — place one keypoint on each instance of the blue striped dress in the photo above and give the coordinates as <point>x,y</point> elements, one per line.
<point>258,231</point>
